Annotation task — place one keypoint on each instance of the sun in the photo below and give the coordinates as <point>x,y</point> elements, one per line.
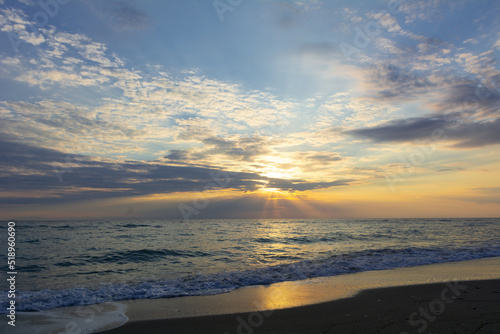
<point>274,190</point>
<point>274,173</point>
<point>276,167</point>
<point>272,193</point>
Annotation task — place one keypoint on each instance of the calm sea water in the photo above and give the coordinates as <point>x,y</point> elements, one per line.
<point>63,263</point>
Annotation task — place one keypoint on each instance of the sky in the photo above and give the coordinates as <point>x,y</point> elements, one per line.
<point>203,109</point>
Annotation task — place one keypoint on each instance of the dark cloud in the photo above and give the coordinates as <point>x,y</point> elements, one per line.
<point>483,195</point>
<point>121,15</point>
<point>465,135</point>
<point>477,134</point>
<point>450,169</point>
<point>70,177</point>
<point>243,149</point>
<point>323,157</point>
<point>178,155</point>
<point>401,130</point>
<point>322,49</point>
<point>440,91</point>
<point>286,14</point>
<point>391,82</point>
<point>298,185</point>
<point>487,190</point>
<point>471,95</point>
<point>39,169</point>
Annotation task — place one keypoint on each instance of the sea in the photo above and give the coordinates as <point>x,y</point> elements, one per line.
<point>68,263</point>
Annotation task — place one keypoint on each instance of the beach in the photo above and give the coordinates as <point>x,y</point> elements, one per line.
<point>387,310</point>
<point>460,300</point>
<point>152,272</point>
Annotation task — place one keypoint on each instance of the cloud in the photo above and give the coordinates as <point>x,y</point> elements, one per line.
<point>390,23</point>
<point>121,15</point>
<point>15,22</point>
<point>473,96</point>
<point>322,49</point>
<point>44,175</point>
<point>45,78</point>
<point>289,14</point>
<point>497,44</point>
<point>482,64</point>
<point>246,148</point>
<point>477,134</point>
<point>66,127</point>
<point>127,102</point>
<point>423,10</point>
<point>67,177</point>
<point>403,130</point>
<point>464,135</point>
<point>472,41</point>
<point>214,148</point>
<point>392,81</point>
<point>483,195</point>
<point>388,46</point>
<point>298,185</point>
<point>322,157</point>
<point>115,128</point>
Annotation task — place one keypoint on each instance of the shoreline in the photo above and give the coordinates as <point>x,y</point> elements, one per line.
<point>287,299</point>
<point>457,307</point>
<point>399,289</point>
<point>290,294</point>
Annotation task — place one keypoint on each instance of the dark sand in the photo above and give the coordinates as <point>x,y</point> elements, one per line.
<point>465,307</point>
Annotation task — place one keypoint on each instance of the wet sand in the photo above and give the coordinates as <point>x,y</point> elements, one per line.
<point>463,307</point>
<point>465,300</point>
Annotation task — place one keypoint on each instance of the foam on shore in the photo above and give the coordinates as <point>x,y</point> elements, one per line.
<point>310,291</point>
<point>101,317</point>
<point>78,319</point>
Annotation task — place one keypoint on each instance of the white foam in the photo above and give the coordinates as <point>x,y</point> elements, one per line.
<point>75,320</point>
<point>197,285</point>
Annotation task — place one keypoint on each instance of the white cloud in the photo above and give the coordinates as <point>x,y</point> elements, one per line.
<point>151,108</point>
<point>15,22</point>
<point>43,79</point>
<point>472,41</point>
<point>426,10</point>
<point>28,2</point>
<point>482,65</point>
<point>389,23</point>
<point>388,46</point>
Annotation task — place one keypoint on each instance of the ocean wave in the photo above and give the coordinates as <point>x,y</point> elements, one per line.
<point>195,285</point>
<point>130,256</point>
<point>142,255</point>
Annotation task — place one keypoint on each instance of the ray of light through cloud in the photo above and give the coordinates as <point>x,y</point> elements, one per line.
<point>252,109</point>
